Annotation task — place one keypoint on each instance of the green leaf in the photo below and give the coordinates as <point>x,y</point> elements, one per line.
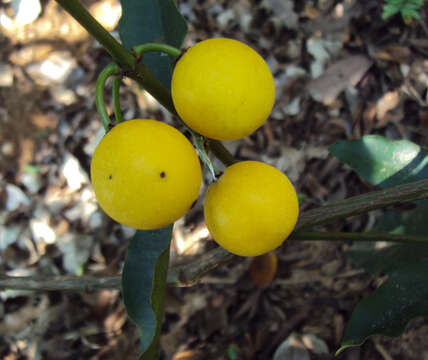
<point>410,14</point>
<point>383,162</point>
<point>380,258</point>
<point>159,21</point>
<point>388,309</point>
<point>144,283</point>
<point>401,298</point>
<point>388,11</point>
<point>411,222</point>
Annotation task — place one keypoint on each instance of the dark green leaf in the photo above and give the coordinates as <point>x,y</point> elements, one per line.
<point>411,222</point>
<point>394,260</point>
<point>153,21</point>
<point>388,11</point>
<point>410,14</point>
<point>401,298</point>
<point>383,162</point>
<point>143,285</point>
<point>380,258</point>
<point>386,163</point>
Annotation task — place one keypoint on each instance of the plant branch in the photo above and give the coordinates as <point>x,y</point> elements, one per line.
<point>221,152</point>
<point>59,283</point>
<point>361,204</point>
<point>184,275</point>
<point>188,274</point>
<point>122,56</point>
<point>366,236</point>
<point>179,275</point>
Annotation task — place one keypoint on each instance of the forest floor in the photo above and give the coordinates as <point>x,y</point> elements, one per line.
<point>340,71</point>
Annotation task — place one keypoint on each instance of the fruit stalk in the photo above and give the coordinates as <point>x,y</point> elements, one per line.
<point>116,100</point>
<point>109,70</point>
<point>150,47</point>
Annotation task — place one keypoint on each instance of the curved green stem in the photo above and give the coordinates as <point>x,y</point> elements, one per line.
<point>109,70</point>
<point>149,47</point>
<point>116,100</point>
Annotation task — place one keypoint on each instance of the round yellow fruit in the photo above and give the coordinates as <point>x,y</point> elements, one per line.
<point>145,174</point>
<point>222,89</point>
<point>251,209</point>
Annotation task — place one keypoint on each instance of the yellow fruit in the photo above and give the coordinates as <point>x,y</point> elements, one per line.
<point>145,174</point>
<point>251,209</point>
<point>222,89</point>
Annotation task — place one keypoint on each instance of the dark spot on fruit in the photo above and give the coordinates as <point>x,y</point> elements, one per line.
<point>162,174</point>
<point>110,177</point>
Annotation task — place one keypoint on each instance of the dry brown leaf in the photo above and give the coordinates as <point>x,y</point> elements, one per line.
<point>395,53</point>
<point>387,102</point>
<point>311,12</point>
<point>189,355</point>
<point>339,76</point>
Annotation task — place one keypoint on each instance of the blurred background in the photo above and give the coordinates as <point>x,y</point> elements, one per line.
<point>340,72</point>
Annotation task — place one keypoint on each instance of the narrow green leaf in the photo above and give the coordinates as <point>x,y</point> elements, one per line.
<point>401,298</point>
<point>159,21</point>
<point>383,162</point>
<point>388,11</point>
<point>410,14</point>
<point>144,283</point>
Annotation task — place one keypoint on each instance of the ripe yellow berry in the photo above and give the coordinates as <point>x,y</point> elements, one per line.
<point>222,89</point>
<point>251,209</point>
<point>145,174</point>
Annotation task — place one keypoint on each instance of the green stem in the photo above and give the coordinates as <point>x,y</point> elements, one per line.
<point>149,47</point>
<point>145,78</point>
<point>221,152</point>
<point>109,70</point>
<point>200,148</point>
<point>367,236</point>
<point>116,99</point>
<point>122,56</point>
<point>362,204</point>
<point>139,73</point>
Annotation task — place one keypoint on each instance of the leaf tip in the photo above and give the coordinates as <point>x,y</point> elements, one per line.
<point>341,349</point>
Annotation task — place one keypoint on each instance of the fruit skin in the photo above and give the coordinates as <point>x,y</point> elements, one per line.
<point>251,209</point>
<point>145,174</point>
<point>222,89</point>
